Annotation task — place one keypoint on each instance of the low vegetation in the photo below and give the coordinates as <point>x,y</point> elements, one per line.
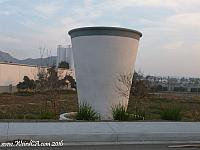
<point>48,81</point>
<point>194,113</point>
<point>24,106</point>
<point>119,112</point>
<point>46,93</point>
<point>47,115</point>
<point>86,112</point>
<point>63,64</point>
<point>37,106</point>
<point>171,112</point>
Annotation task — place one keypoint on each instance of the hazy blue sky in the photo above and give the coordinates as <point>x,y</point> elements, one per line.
<point>171,28</point>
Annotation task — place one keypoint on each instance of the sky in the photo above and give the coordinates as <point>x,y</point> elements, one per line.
<point>171,29</point>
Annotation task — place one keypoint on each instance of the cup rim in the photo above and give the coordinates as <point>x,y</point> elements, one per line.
<point>105,31</point>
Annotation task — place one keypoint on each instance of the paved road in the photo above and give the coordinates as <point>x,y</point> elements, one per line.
<point>105,147</point>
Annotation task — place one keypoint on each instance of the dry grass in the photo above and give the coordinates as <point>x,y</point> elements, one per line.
<point>153,104</point>
<point>28,107</point>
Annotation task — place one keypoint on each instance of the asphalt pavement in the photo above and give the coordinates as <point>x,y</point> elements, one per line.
<point>112,147</point>
<point>98,132</point>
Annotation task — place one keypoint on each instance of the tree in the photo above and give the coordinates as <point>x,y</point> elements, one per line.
<point>123,84</point>
<point>71,81</point>
<point>63,64</point>
<point>27,84</point>
<point>42,78</point>
<point>133,87</point>
<point>49,80</point>
<point>139,89</point>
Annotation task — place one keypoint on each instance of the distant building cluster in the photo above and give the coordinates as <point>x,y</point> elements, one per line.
<point>176,84</point>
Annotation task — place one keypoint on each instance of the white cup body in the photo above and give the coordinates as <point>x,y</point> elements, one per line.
<point>99,61</point>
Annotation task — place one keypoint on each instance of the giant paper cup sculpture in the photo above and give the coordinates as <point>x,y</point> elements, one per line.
<point>101,55</point>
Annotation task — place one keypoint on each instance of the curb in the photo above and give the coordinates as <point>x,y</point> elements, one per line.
<point>87,133</point>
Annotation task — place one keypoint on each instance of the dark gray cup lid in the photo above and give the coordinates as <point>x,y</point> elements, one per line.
<point>110,31</point>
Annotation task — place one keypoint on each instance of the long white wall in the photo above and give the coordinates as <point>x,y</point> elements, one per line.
<point>14,73</point>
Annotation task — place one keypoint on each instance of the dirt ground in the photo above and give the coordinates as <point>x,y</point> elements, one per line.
<point>152,104</point>
<point>16,106</point>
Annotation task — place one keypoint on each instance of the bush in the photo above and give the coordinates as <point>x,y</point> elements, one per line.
<point>11,116</point>
<point>32,116</point>
<point>119,113</point>
<point>86,112</point>
<point>63,64</point>
<point>27,84</point>
<point>171,112</point>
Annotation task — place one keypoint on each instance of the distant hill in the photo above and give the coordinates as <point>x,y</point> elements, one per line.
<point>6,57</point>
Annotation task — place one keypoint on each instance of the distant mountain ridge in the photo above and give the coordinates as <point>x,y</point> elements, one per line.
<point>6,57</point>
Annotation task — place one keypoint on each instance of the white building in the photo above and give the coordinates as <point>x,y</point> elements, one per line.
<point>65,54</point>
<point>61,54</point>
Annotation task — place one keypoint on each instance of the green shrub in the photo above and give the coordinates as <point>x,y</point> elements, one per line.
<point>63,64</point>
<point>12,116</point>
<point>171,112</point>
<point>86,112</point>
<point>32,116</point>
<point>119,113</point>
